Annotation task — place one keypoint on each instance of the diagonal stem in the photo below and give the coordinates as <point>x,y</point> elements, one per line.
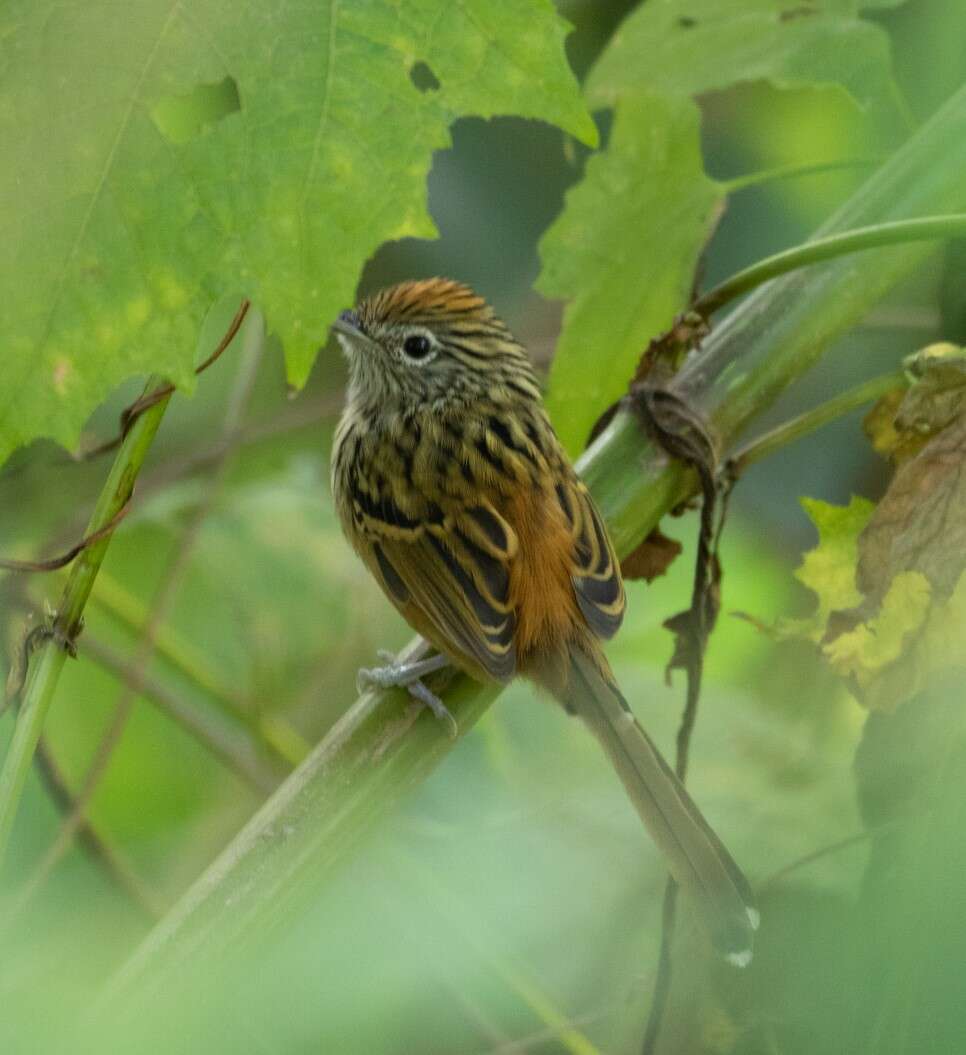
<point>232,742</point>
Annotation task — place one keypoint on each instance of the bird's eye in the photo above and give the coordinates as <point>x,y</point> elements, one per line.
<point>417,346</point>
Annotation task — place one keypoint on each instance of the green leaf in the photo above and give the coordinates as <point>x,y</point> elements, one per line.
<point>133,194</point>
<point>693,46</point>
<point>624,251</point>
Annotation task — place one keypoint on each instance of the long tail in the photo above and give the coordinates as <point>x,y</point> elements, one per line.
<point>700,864</point>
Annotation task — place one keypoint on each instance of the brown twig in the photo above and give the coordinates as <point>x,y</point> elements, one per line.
<point>300,417</point>
<point>134,410</point>
<point>673,424</point>
<point>90,839</point>
<point>129,415</point>
<point>61,561</point>
<point>94,842</point>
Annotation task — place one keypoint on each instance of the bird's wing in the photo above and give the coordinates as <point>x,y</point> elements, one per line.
<point>596,572</point>
<point>453,565</point>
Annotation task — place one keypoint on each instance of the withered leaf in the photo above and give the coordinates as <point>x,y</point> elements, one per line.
<point>692,627</point>
<point>911,568</point>
<point>879,426</point>
<point>891,586</point>
<point>651,558</point>
<point>902,421</point>
<point>920,523</point>
<point>660,360</point>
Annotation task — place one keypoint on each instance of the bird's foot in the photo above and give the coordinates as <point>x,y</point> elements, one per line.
<point>408,676</point>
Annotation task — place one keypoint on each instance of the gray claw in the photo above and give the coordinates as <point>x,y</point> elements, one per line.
<point>441,712</point>
<point>407,676</point>
<point>376,678</point>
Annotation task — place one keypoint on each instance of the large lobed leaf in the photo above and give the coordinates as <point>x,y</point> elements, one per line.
<point>625,249</point>
<point>118,236</point>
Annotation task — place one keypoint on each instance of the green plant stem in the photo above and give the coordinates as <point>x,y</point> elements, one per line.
<point>229,740</point>
<point>274,731</point>
<point>378,751</point>
<point>96,842</point>
<point>794,171</point>
<point>46,665</point>
<point>927,228</point>
<point>805,424</point>
<point>113,598</point>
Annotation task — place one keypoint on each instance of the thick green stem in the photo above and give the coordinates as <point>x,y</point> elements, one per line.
<point>378,751</point>
<point>46,665</point>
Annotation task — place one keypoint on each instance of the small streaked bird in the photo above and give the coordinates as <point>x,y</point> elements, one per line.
<point>453,488</point>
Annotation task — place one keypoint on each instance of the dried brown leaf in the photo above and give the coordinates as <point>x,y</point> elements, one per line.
<point>920,523</point>
<point>904,420</point>
<point>652,557</point>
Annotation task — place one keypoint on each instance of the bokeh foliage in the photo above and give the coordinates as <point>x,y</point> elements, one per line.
<point>512,903</point>
<point>627,267</point>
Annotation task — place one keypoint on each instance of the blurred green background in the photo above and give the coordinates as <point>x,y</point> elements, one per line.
<point>515,893</point>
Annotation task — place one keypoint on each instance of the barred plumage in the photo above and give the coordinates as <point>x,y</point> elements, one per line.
<point>453,488</point>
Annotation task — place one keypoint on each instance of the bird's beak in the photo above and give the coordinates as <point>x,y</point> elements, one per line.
<point>348,328</point>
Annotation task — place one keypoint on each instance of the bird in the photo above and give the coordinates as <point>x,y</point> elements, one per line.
<point>454,490</point>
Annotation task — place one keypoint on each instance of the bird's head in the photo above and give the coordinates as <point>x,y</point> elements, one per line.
<point>432,344</point>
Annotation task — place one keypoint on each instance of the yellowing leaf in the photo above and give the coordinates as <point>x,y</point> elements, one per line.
<point>913,642</point>
<point>891,580</point>
<point>905,419</point>
<point>864,652</point>
<point>879,425</point>
<point>828,570</point>
<point>920,522</point>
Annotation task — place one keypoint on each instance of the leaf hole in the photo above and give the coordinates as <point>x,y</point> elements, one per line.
<point>181,118</point>
<point>423,77</point>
